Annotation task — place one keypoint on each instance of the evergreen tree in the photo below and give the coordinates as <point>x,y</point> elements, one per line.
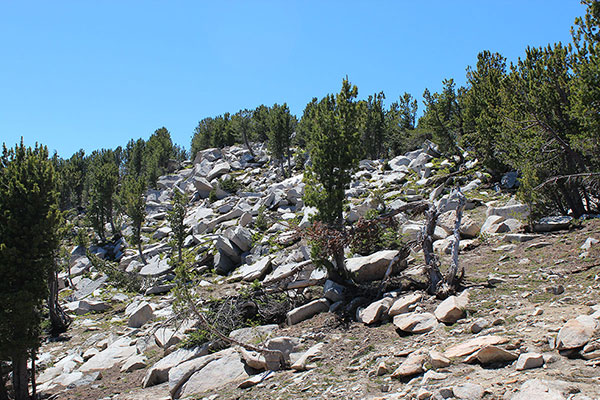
<point>104,178</point>
<point>539,130</point>
<point>334,146</point>
<point>444,117</point>
<point>400,126</point>
<point>373,126</point>
<point>202,136</point>
<point>281,127</point>
<point>29,239</point>
<point>483,110</point>
<point>175,218</point>
<point>242,125</point>
<point>134,204</point>
<point>585,104</point>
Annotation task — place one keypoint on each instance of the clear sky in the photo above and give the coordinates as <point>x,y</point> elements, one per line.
<point>93,74</point>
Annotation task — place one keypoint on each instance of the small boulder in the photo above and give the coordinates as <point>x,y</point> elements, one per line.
<point>529,361</point>
<point>490,355</point>
<point>138,313</point>
<point>416,322</point>
<point>413,365</point>
<point>452,309</point>
<point>372,267</point>
<point>306,311</point>
<point>405,304</point>
<point>576,332</point>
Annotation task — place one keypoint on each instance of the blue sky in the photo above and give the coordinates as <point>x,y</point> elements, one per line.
<point>93,74</point>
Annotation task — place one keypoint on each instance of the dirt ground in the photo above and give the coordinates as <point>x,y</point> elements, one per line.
<point>545,283</point>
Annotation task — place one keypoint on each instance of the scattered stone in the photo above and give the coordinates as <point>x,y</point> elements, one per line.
<point>452,309</point>
<point>518,211</point>
<point>490,355</point>
<point>333,291</point>
<point>133,363</point>
<point>227,368</point>
<point>540,389</point>
<point>113,355</point>
<point>375,312</point>
<point>311,354</point>
<point>589,242</point>
<point>438,360</point>
<point>549,224</point>
<point>529,361</point>
<point>138,313</point>
<point>472,345</point>
<point>479,324</point>
<point>468,391</point>
<point>405,304</point>
<point>519,237</point>
<point>413,365</point>
<point>159,372</point>
<point>373,267</point>
<point>416,322</point>
<point>576,332</point>
<point>306,311</point>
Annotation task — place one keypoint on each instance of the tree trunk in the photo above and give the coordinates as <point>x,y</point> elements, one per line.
<point>33,385</point>
<point>289,161</point>
<point>573,199</point>
<point>3,391</point>
<point>245,137</point>
<point>59,321</point>
<point>455,274</point>
<point>282,165</point>
<point>20,381</point>
<point>431,260</point>
<point>141,252</point>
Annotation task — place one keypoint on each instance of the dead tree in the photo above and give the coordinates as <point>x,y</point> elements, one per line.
<point>443,286</point>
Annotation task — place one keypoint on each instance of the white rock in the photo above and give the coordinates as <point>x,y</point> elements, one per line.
<point>416,322</point>
<point>529,360</point>
<point>138,314</point>
<point>452,309</point>
<point>306,311</point>
<point>372,267</point>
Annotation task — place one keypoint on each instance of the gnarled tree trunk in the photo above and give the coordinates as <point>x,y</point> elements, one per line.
<point>59,320</point>
<point>20,380</point>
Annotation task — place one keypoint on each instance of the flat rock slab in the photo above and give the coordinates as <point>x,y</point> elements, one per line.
<point>225,369</point>
<point>113,355</point>
<point>416,322</point>
<point>306,311</point>
<point>159,372</point>
<point>472,345</point>
<point>540,389</point>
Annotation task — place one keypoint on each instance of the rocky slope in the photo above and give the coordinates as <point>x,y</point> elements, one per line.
<point>527,324</point>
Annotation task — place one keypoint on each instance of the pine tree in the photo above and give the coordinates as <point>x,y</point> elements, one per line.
<point>334,146</point>
<point>175,218</point>
<point>281,127</point>
<point>373,126</point>
<point>134,204</point>
<point>29,222</point>
<point>483,110</point>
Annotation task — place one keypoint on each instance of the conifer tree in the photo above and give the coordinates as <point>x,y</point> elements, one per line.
<point>175,218</point>
<point>134,204</point>
<point>281,127</point>
<point>334,146</point>
<point>29,223</point>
